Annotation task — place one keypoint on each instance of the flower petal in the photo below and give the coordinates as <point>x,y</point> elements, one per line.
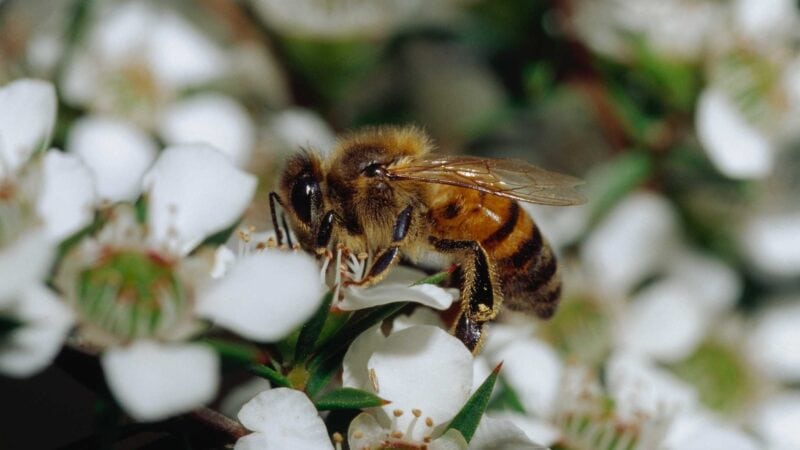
<point>774,340</point>
<point>66,203</point>
<point>356,298</point>
<point>440,366</point>
<point>354,366</point>
<point>701,431</point>
<point>365,432</point>
<point>737,148</point>
<point>776,420</point>
<point>499,434</point>
<point>153,381</point>
<point>183,182</point>
<point>770,243</point>
<point>630,243</point>
<point>283,418</point>
<point>450,440</point>
<point>117,152</point>
<point>212,119</point>
<point>24,262</point>
<point>534,371</point>
<point>265,296</point>
<point>420,316</point>
<point>664,321</point>
<point>46,322</point>
<point>537,430</point>
<point>637,387</point>
<point>241,394</point>
<point>27,118</point>
<point>180,55</point>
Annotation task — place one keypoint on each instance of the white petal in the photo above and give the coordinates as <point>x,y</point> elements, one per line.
<point>117,152</point>
<point>122,30</point>
<point>25,262</point>
<point>637,387</point>
<point>153,381</point>
<point>774,342</point>
<point>354,366</point>
<point>365,432</point>
<point>212,119</point>
<point>450,440</point>
<point>265,296</point>
<point>301,128</point>
<point>285,419</point>
<point>765,19</point>
<point>770,243</point>
<point>181,56</point>
<point>66,203</point>
<point>420,316</point>
<point>356,298</point>
<point>534,371</point>
<point>778,420</point>
<point>701,431</point>
<point>664,321</point>
<point>630,243</point>
<point>537,430</point>
<point>27,118</point>
<point>183,183</point>
<point>46,322</point>
<point>440,366</point>
<point>499,434</point>
<point>224,259</point>
<point>241,394</point>
<point>733,145</point>
<point>714,285</point>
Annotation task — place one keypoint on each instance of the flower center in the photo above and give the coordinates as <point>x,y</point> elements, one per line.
<point>130,294</point>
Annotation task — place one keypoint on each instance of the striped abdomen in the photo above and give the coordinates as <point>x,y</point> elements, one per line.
<point>523,262</point>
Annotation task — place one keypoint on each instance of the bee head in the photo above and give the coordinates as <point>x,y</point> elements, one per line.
<point>300,190</point>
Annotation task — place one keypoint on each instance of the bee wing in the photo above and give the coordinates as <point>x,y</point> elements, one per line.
<point>509,178</point>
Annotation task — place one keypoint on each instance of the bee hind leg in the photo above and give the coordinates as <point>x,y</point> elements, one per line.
<point>480,292</point>
<point>389,256</point>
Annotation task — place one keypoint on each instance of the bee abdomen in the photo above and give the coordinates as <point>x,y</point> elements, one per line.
<point>530,278</point>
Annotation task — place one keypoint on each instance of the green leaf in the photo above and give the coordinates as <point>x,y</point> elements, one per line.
<point>349,398</point>
<point>329,358</point>
<point>236,352</point>
<point>466,421</point>
<point>506,399</point>
<point>437,278</point>
<point>141,208</point>
<point>617,179</point>
<point>310,333</point>
<point>221,237</point>
<point>275,377</point>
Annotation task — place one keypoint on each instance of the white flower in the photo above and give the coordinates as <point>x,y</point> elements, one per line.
<point>45,198</point>
<point>630,243</point>
<point>771,245</point>
<point>440,366</point>
<point>736,147</point>
<point>776,420</point>
<point>282,418</point>
<point>45,322</point>
<point>697,430</point>
<point>774,338</point>
<point>141,331</point>
<point>398,286</point>
<point>294,128</point>
<point>213,119</point>
<point>117,152</point>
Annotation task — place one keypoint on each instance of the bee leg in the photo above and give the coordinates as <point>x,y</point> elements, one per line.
<point>389,256</point>
<point>273,198</point>
<point>470,332</point>
<point>480,292</point>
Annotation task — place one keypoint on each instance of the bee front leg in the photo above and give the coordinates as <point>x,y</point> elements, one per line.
<point>480,292</point>
<point>389,256</point>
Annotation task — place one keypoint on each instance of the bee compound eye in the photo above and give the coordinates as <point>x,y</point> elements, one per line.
<point>373,170</point>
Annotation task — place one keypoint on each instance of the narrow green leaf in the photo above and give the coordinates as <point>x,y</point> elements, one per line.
<point>437,278</point>
<point>309,334</point>
<point>466,421</point>
<point>236,352</point>
<point>270,374</point>
<point>141,208</point>
<point>222,236</point>
<point>506,399</point>
<point>349,398</point>
<point>329,358</point>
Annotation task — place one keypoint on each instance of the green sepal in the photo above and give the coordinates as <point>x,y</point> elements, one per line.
<point>311,330</point>
<point>467,420</point>
<point>349,398</point>
<point>268,373</point>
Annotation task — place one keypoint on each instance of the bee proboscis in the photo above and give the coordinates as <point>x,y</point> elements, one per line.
<point>383,191</point>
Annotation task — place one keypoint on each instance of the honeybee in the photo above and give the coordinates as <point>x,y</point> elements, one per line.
<point>382,190</point>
